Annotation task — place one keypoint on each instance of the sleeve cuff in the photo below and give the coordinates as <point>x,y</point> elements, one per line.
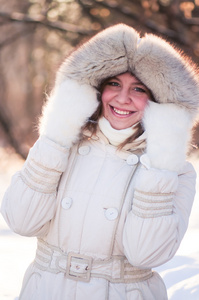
<point>39,177</point>
<point>154,192</point>
<point>151,205</point>
<point>45,164</point>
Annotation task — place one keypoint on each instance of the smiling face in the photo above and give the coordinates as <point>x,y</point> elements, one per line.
<point>124,99</point>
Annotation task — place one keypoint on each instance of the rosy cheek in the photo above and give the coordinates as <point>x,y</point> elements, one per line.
<point>141,104</point>
<point>144,106</point>
<point>105,98</point>
<point>104,106</point>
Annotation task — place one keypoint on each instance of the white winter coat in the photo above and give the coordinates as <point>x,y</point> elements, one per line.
<point>102,203</point>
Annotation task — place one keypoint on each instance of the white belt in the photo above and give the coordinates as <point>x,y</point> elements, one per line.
<point>81,267</point>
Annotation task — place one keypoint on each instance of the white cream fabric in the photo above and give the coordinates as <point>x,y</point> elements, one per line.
<point>115,136</point>
<point>97,179</point>
<point>64,114</point>
<point>168,132</point>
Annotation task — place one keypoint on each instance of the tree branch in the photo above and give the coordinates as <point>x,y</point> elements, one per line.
<point>86,10</point>
<point>150,24</point>
<point>42,20</point>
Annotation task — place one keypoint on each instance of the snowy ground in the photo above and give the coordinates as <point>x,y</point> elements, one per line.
<point>181,274</point>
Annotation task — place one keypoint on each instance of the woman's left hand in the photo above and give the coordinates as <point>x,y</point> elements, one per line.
<point>167,128</point>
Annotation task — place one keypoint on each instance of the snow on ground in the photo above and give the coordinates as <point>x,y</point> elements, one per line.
<point>181,274</point>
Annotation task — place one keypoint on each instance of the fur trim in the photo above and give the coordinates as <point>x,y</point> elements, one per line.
<point>66,111</point>
<point>166,73</point>
<point>103,56</point>
<point>167,129</point>
<point>117,49</point>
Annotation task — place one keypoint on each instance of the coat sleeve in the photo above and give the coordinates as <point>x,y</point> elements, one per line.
<point>29,202</point>
<point>159,217</point>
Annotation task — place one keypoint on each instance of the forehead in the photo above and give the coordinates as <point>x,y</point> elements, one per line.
<point>126,77</point>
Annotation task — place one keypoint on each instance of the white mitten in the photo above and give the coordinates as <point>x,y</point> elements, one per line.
<point>67,110</point>
<point>167,128</point>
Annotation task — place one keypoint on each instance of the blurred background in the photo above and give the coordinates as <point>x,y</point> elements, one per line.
<point>36,35</point>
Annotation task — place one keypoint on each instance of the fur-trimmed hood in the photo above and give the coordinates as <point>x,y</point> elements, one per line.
<point>163,69</point>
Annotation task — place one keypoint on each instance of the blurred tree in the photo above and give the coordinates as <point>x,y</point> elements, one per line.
<point>37,34</point>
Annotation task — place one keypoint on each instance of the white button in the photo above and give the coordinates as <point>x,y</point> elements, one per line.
<point>111,213</point>
<point>66,202</point>
<point>84,150</point>
<point>132,160</point>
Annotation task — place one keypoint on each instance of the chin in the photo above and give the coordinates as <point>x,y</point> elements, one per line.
<point>120,126</point>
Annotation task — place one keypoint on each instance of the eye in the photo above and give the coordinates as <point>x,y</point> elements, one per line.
<point>113,83</point>
<point>139,89</point>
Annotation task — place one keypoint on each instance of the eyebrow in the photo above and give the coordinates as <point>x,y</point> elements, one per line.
<point>136,82</point>
<point>139,82</point>
<point>114,77</point>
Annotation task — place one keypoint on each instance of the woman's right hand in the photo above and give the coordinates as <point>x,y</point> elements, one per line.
<point>66,111</point>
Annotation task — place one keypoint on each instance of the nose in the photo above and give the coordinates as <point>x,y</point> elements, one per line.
<point>123,97</point>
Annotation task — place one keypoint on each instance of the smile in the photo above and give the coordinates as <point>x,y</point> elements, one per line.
<point>121,112</point>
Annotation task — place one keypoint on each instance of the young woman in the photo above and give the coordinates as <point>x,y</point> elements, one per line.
<point>106,188</point>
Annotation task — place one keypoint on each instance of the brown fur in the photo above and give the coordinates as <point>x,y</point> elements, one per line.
<point>163,69</point>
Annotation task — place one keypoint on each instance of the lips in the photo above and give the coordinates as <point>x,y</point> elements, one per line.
<point>119,112</point>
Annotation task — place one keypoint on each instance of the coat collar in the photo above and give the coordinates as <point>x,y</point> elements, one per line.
<point>136,146</point>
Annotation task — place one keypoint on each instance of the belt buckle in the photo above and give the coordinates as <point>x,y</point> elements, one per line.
<point>78,267</point>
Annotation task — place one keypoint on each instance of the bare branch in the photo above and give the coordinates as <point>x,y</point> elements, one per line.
<point>150,24</point>
<point>42,20</point>
<point>191,21</point>
<point>86,11</point>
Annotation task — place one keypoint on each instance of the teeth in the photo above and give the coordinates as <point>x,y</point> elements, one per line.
<point>121,112</point>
